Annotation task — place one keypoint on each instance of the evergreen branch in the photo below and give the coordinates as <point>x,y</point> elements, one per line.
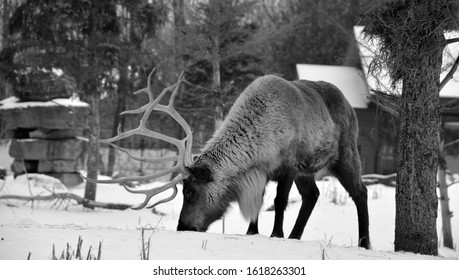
<point>197,86</point>
<point>451,143</point>
<point>387,102</point>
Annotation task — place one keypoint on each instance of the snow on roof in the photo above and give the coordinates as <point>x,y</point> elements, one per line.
<point>14,103</point>
<point>348,79</point>
<point>368,49</point>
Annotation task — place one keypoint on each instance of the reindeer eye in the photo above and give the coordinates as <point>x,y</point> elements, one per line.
<point>188,194</point>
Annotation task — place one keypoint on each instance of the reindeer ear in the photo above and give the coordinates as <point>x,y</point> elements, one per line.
<point>200,173</point>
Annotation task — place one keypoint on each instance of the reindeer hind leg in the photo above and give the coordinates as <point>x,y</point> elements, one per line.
<point>347,170</point>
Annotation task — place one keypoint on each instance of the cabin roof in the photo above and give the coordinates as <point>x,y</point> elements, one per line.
<point>349,80</point>
<point>355,84</point>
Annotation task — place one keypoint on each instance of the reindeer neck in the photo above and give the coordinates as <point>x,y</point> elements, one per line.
<point>225,158</point>
<point>242,142</point>
<point>239,177</point>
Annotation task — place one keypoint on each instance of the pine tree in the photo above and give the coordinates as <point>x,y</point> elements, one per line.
<point>217,44</point>
<point>411,34</point>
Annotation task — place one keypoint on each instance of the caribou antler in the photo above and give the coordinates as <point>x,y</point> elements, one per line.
<point>184,145</point>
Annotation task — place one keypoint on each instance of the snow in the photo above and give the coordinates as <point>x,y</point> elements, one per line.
<point>14,103</point>
<point>331,232</point>
<point>5,159</point>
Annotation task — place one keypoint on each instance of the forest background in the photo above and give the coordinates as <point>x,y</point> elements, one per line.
<point>220,45</point>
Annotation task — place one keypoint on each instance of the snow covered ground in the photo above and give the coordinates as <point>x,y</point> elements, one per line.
<point>331,233</point>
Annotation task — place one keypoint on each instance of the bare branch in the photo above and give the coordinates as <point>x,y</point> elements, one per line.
<point>451,143</point>
<point>450,74</point>
<point>148,160</point>
<point>197,86</point>
<point>451,41</point>
<point>450,105</point>
<point>123,180</point>
<point>268,13</point>
<point>68,196</point>
<point>453,183</point>
<point>388,180</point>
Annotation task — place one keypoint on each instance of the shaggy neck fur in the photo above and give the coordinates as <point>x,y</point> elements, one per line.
<point>246,148</point>
<point>235,179</point>
<point>249,193</point>
<point>246,188</point>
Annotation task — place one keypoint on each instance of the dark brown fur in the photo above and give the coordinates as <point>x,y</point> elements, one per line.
<point>283,131</point>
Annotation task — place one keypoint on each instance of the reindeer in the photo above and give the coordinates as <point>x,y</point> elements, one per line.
<point>276,130</point>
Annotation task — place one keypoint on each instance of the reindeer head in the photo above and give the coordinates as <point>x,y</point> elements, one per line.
<point>203,200</point>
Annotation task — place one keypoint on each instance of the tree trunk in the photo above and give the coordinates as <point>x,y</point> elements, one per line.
<point>444,202</point>
<point>216,83</point>
<point>6,11</point>
<point>416,198</point>
<point>179,50</point>
<point>218,94</point>
<point>93,98</point>
<point>215,59</point>
<point>7,8</point>
<point>179,22</point>
<point>92,164</point>
<point>117,121</point>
